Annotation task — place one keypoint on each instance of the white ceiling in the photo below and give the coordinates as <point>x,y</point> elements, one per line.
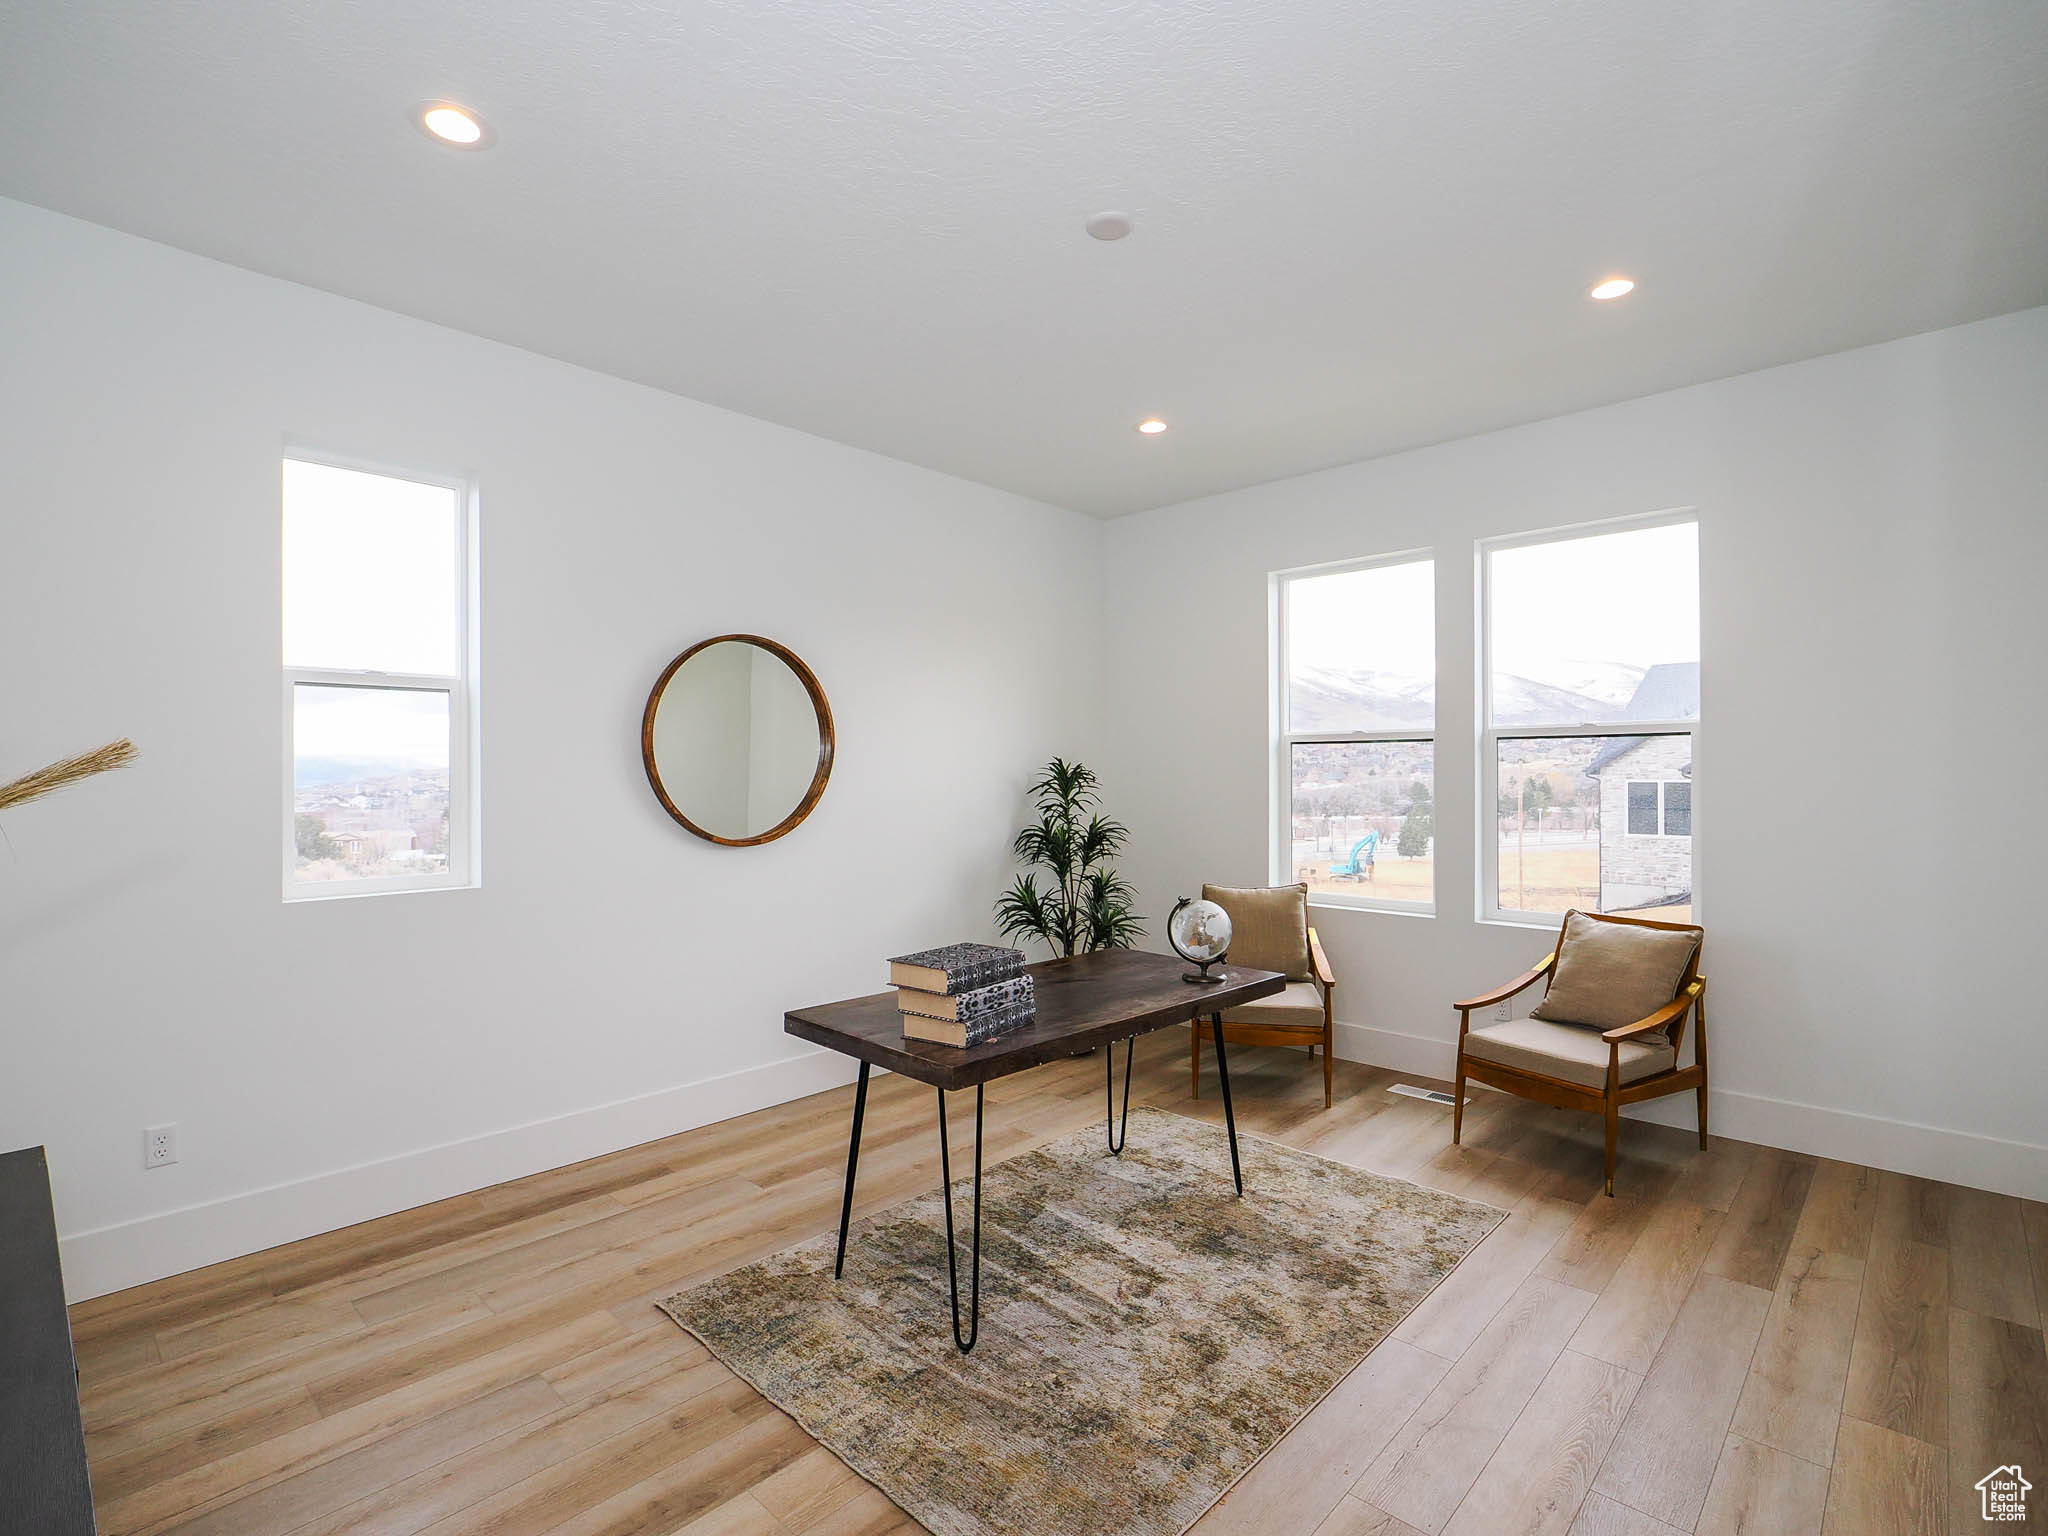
<point>1362,224</point>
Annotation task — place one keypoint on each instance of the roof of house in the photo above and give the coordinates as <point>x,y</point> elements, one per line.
<point>1668,691</point>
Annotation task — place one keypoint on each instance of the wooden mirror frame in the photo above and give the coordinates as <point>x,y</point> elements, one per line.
<point>826,740</point>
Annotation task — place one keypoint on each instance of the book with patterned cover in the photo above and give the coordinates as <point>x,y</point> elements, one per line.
<point>956,968</point>
<point>988,1027</point>
<point>966,1007</point>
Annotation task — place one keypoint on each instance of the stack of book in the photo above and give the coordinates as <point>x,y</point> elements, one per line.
<point>963,994</point>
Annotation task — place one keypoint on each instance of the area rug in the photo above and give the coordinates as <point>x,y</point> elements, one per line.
<point>1145,1336</point>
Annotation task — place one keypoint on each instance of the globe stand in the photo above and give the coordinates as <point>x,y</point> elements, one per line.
<point>1202,977</point>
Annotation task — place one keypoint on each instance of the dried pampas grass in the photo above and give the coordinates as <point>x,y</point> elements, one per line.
<point>45,781</point>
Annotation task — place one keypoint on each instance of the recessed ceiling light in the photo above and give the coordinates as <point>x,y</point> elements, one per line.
<point>1613,288</point>
<point>1109,226</point>
<point>1151,426</point>
<point>453,124</point>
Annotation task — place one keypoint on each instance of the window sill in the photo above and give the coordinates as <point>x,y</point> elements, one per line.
<point>1388,908</point>
<point>346,892</point>
<point>1542,921</point>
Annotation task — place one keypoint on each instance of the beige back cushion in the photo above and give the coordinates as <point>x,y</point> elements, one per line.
<point>1268,927</point>
<point>1611,974</point>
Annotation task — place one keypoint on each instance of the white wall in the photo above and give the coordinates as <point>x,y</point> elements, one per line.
<point>614,978</point>
<point>1873,535</point>
<point>1873,542</point>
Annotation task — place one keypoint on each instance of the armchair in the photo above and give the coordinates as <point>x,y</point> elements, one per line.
<point>1270,932</point>
<point>1584,1046</point>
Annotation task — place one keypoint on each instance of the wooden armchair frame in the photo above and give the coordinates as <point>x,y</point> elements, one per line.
<point>1689,1000</point>
<point>1275,1034</point>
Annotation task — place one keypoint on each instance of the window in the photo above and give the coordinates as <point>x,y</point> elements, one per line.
<point>1591,681</point>
<point>1678,809</point>
<point>377,648</point>
<point>1355,772</point>
<point>1642,809</point>
<point>1658,809</point>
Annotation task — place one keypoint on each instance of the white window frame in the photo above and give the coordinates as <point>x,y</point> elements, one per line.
<point>1281,829</point>
<point>465,869</point>
<point>1490,736</point>
<point>1660,785</point>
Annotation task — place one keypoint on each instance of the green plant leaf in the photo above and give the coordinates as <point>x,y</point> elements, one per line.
<point>1025,912</point>
<point>1087,905</point>
<point>1102,839</point>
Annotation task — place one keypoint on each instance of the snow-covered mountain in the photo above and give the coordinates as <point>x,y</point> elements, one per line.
<point>1325,699</point>
<point>1613,681</point>
<point>1570,692</point>
<point>1328,699</point>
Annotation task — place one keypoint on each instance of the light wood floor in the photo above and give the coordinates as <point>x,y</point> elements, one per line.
<point>1744,1340</point>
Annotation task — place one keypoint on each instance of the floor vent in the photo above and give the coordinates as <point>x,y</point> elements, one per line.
<point>1434,1095</point>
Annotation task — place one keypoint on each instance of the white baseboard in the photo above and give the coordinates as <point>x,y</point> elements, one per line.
<point>1396,1052</point>
<point>112,1258</point>
<point>1929,1151</point>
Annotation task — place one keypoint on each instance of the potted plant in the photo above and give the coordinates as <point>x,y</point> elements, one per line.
<point>1086,904</point>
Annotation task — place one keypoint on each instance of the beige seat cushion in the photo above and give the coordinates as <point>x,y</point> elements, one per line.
<point>1268,927</point>
<point>1299,1007</point>
<point>1564,1050</point>
<point>1612,974</point>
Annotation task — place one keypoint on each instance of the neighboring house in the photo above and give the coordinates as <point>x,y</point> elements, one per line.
<point>1646,797</point>
<point>375,843</point>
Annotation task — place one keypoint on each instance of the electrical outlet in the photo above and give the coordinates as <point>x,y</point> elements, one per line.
<point>1503,1013</point>
<point>159,1146</point>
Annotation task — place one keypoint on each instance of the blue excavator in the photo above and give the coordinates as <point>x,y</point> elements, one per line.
<point>1359,865</point>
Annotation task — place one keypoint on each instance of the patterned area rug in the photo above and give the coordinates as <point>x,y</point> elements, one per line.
<point>1145,1336</point>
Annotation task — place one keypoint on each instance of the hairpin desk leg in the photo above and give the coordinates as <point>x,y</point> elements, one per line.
<point>1119,1129</point>
<point>1229,1118</point>
<point>860,1104</point>
<point>946,1195</point>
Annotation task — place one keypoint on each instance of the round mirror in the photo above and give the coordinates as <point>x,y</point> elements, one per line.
<point>737,739</point>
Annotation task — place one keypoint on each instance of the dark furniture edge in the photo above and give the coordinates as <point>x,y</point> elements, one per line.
<point>44,1484</point>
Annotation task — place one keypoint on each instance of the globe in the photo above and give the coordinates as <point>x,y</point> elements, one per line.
<point>1199,932</point>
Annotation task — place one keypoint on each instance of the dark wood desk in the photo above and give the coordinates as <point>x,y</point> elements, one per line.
<point>1084,1003</point>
